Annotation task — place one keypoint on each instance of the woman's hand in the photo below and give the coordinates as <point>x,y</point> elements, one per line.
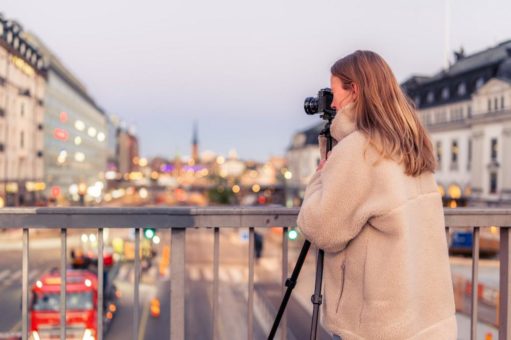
<point>320,166</point>
<point>323,161</point>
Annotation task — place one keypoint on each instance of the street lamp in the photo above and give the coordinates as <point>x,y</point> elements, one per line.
<point>82,188</point>
<point>287,176</point>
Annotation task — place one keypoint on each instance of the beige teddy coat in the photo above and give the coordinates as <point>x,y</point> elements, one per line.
<point>386,265</point>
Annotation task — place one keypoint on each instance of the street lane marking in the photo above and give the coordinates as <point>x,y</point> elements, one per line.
<point>232,274</point>
<point>4,274</point>
<point>123,273</point>
<point>13,277</point>
<point>245,275</point>
<point>207,273</point>
<point>222,275</point>
<point>32,274</point>
<point>143,321</point>
<point>16,327</point>
<point>270,264</point>
<point>193,273</point>
<point>235,273</point>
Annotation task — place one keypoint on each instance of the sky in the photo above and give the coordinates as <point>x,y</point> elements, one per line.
<point>242,69</point>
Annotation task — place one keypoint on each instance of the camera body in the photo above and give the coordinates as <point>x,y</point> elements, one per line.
<point>320,104</point>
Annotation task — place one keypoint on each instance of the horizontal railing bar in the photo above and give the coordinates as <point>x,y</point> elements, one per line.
<point>193,217</point>
<point>158,217</point>
<point>185,211</point>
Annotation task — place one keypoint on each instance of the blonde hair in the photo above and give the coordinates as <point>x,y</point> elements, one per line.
<point>384,113</point>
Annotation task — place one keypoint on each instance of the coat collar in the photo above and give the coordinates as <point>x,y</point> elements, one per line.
<point>343,123</point>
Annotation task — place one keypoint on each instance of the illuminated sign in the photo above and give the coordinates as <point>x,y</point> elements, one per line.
<point>63,117</point>
<point>22,65</point>
<point>60,134</point>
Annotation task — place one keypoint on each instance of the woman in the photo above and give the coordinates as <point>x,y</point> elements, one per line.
<point>374,208</point>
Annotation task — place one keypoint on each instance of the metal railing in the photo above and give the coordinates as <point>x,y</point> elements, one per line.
<point>178,220</point>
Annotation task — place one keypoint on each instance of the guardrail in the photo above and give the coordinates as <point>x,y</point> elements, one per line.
<point>178,220</point>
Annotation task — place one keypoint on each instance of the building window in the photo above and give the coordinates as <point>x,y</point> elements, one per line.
<point>469,156</point>
<point>39,126</point>
<point>454,155</point>
<point>493,183</point>
<point>445,93</point>
<point>2,112</point>
<point>1,147</point>
<point>479,82</point>
<point>496,104</point>
<point>462,89</point>
<point>493,151</point>
<point>502,102</point>
<point>417,101</point>
<point>469,111</point>
<point>457,114</point>
<point>39,154</point>
<point>489,105</point>
<point>22,139</point>
<point>439,154</point>
<point>440,116</point>
<point>22,109</point>
<point>431,97</point>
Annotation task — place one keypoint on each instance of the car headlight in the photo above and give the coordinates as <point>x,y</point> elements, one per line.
<point>88,335</point>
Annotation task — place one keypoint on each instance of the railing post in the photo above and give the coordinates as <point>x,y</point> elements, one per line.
<point>101,272</point>
<point>177,284</point>
<point>475,280</point>
<point>216,269</point>
<point>505,284</point>
<point>250,321</point>
<point>285,243</point>
<point>24,294</point>
<point>63,280</point>
<point>136,286</point>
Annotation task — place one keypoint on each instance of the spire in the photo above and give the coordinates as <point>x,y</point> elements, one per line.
<point>195,139</point>
<point>195,144</point>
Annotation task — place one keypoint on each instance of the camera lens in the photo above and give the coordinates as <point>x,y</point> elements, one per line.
<point>311,105</point>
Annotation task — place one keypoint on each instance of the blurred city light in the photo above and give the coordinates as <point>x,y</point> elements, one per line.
<point>293,234</point>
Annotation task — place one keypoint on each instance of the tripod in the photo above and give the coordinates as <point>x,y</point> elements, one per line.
<point>291,282</point>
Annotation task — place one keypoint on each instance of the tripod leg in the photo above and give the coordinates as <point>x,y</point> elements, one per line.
<point>317,298</point>
<point>290,284</point>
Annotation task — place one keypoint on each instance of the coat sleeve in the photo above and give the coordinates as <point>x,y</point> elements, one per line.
<point>338,199</point>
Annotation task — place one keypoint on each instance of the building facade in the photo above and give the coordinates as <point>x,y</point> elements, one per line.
<point>75,135</point>
<point>22,91</point>
<point>302,159</point>
<point>127,151</point>
<point>467,111</point>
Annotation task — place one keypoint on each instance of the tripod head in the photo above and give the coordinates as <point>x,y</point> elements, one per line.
<point>322,105</point>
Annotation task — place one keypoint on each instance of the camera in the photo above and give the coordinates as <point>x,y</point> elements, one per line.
<point>320,104</point>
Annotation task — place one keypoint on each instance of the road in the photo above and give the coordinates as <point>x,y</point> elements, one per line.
<point>233,288</point>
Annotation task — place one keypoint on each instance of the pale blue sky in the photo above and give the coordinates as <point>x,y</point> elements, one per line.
<point>241,68</point>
